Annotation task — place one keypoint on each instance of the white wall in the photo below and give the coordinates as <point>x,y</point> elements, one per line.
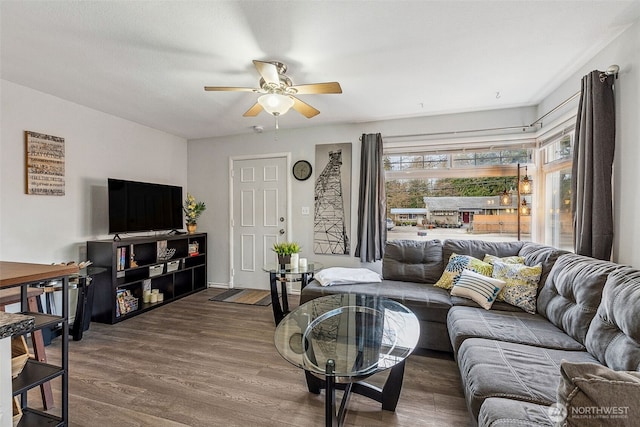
<point>51,229</point>
<point>209,173</point>
<point>97,146</point>
<point>625,52</point>
<point>208,158</point>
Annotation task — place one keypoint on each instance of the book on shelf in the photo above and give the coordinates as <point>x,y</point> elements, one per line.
<point>161,247</point>
<point>121,258</point>
<point>194,249</point>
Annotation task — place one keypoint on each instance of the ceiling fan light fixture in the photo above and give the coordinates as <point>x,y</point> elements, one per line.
<point>275,104</point>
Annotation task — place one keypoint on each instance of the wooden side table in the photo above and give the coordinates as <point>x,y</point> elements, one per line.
<point>12,296</point>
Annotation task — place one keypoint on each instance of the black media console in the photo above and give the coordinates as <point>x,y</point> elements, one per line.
<point>172,266</point>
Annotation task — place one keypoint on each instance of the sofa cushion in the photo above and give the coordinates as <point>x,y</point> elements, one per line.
<point>535,253</point>
<point>498,305</point>
<point>491,368</point>
<point>481,289</point>
<point>497,411</point>
<point>427,302</point>
<point>614,333</point>
<point>573,291</point>
<point>413,261</point>
<point>516,327</point>
<point>479,248</point>
<point>457,264</point>
<point>594,395</point>
<point>521,284</point>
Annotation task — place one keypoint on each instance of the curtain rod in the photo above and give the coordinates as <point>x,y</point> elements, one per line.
<point>611,71</point>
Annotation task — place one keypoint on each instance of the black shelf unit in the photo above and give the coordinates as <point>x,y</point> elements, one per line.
<point>184,273</point>
<point>35,372</point>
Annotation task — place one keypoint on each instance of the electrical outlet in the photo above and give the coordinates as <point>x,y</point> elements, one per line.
<point>305,210</point>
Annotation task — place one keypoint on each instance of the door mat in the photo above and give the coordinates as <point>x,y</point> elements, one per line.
<point>244,296</point>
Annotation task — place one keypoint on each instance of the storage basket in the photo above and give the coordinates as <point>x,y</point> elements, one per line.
<point>155,270</point>
<point>173,266</point>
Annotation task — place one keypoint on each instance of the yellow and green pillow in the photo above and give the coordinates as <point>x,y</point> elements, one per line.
<point>457,264</point>
<point>521,287</point>
<point>507,260</point>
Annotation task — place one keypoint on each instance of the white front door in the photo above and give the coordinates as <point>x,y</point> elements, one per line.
<point>259,217</point>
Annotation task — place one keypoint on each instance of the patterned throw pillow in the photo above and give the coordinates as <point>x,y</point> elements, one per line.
<point>522,284</point>
<point>482,289</point>
<point>507,260</point>
<point>458,263</point>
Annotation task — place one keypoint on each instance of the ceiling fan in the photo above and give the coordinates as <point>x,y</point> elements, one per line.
<point>278,91</point>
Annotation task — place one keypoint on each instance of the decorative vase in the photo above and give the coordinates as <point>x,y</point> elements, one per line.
<point>191,228</point>
<point>283,260</point>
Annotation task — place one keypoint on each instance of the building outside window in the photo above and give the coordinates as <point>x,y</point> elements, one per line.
<point>455,194</point>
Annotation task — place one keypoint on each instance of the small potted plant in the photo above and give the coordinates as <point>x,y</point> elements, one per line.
<point>192,210</point>
<point>286,251</point>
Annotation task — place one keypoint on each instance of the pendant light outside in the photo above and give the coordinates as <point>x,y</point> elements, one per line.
<point>526,186</point>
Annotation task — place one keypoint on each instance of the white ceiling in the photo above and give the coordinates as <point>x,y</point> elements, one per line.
<point>148,61</point>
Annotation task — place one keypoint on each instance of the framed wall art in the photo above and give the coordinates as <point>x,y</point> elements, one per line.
<point>44,164</point>
<point>332,211</point>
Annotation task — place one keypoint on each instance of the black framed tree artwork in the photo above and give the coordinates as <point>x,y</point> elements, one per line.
<point>45,160</point>
<point>332,211</point>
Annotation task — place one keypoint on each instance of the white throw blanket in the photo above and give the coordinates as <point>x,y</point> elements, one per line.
<point>343,276</point>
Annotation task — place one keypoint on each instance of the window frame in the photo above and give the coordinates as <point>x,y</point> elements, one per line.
<point>538,167</point>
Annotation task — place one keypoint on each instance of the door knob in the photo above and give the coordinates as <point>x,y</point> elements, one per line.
<point>281,231</point>
<point>281,219</point>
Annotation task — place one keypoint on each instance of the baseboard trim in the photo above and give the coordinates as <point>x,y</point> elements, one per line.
<point>218,285</point>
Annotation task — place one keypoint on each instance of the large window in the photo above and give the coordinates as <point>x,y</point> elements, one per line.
<point>556,169</point>
<point>455,194</point>
<point>462,159</point>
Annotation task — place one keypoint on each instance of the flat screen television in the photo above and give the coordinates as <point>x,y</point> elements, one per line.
<point>143,206</point>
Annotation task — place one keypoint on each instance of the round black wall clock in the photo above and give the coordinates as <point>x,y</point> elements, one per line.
<point>302,170</point>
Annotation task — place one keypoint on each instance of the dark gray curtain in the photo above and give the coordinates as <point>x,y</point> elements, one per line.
<point>372,206</point>
<point>591,191</point>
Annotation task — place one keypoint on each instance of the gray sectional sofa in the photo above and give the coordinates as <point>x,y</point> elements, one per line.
<point>512,362</point>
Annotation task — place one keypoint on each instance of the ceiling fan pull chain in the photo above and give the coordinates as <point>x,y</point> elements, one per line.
<point>275,132</point>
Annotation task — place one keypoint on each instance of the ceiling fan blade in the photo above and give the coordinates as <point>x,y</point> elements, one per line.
<point>229,89</point>
<point>329,87</point>
<point>268,71</point>
<point>303,108</point>
<point>253,111</point>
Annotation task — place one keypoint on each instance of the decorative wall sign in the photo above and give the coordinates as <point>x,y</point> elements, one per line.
<point>332,214</point>
<point>45,164</point>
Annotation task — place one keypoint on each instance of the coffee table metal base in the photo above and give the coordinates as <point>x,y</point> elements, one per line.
<point>388,395</point>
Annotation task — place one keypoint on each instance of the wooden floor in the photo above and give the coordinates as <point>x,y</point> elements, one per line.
<point>197,362</point>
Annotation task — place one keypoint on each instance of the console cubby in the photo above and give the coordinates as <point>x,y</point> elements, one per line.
<point>137,263</point>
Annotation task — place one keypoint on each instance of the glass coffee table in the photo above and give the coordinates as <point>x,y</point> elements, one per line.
<point>340,340</point>
<point>287,274</point>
